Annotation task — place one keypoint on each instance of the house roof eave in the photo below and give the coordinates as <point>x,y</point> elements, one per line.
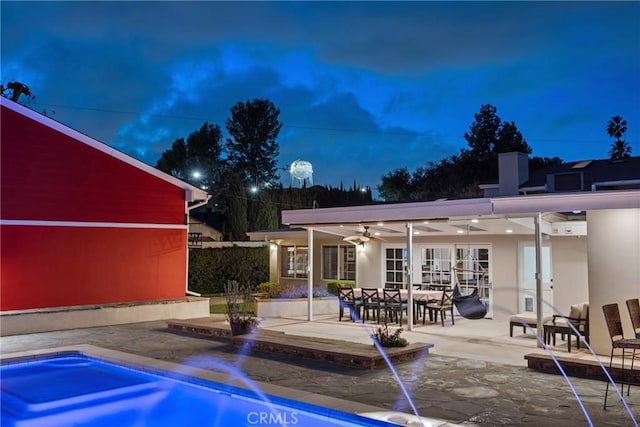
<point>419,211</point>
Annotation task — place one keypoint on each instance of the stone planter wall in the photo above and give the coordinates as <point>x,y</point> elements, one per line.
<point>295,307</point>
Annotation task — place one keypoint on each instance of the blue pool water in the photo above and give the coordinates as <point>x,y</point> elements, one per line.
<point>75,389</point>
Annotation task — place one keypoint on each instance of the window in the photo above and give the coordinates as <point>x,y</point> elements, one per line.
<point>436,265</point>
<point>339,262</point>
<point>395,260</point>
<point>294,261</point>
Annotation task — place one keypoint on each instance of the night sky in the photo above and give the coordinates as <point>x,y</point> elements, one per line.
<point>363,87</point>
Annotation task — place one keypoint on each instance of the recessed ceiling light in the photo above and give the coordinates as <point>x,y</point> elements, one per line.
<point>508,230</point>
<point>416,232</point>
<point>341,225</point>
<point>460,231</point>
<point>426,222</point>
<point>380,224</point>
<point>577,212</point>
<point>475,220</point>
<point>377,233</point>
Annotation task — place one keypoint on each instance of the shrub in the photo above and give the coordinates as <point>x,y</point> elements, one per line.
<point>333,286</point>
<point>211,268</point>
<point>271,289</point>
<point>277,290</point>
<point>238,311</point>
<point>387,339</point>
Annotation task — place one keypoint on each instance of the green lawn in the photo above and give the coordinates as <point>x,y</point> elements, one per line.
<point>218,307</point>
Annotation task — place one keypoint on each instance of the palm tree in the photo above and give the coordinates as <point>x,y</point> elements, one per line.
<point>616,127</point>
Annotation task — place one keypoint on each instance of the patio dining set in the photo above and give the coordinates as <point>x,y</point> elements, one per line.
<point>369,304</point>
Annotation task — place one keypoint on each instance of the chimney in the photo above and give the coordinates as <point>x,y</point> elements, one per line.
<point>513,171</point>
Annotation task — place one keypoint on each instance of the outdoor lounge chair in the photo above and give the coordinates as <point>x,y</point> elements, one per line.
<point>575,324</point>
<point>526,320</point>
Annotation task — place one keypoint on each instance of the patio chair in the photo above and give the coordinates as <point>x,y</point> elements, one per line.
<point>393,305</point>
<point>618,341</point>
<point>420,307</point>
<point>633,305</point>
<point>442,306</point>
<point>348,300</point>
<point>371,303</point>
<point>575,324</point>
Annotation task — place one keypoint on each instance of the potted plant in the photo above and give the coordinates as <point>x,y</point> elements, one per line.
<point>240,317</point>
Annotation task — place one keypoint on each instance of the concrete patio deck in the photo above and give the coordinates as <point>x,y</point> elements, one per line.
<point>485,339</point>
<point>474,375</point>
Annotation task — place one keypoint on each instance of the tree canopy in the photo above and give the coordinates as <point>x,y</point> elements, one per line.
<point>458,176</point>
<point>14,90</point>
<point>198,160</point>
<point>616,128</point>
<point>254,126</point>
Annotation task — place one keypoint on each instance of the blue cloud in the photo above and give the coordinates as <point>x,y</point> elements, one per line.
<point>363,87</point>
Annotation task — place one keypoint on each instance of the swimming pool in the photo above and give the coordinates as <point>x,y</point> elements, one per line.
<point>71,388</point>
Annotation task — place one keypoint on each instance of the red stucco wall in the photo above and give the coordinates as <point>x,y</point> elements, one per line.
<point>128,256</point>
<point>61,266</point>
<point>47,175</point>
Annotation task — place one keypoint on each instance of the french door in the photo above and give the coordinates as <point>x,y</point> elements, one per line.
<point>469,266</point>
<point>527,278</point>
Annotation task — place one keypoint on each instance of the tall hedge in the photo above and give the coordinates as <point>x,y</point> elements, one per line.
<point>209,269</point>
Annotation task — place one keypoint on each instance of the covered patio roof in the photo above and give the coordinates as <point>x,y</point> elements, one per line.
<point>451,217</point>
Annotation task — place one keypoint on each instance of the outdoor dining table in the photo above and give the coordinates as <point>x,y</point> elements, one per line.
<point>418,294</point>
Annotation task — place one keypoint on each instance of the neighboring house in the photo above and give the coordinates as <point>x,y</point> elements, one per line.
<point>585,175</point>
<point>83,224</point>
<point>203,231</point>
<point>589,247</point>
<point>200,234</point>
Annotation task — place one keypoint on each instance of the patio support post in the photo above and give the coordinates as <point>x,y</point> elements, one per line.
<point>310,273</point>
<point>409,272</point>
<point>537,220</point>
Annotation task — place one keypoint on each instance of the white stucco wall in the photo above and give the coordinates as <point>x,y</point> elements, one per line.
<point>570,274</point>
<point>614,269</point>
<point>504,256</point>
<point>368,270</point>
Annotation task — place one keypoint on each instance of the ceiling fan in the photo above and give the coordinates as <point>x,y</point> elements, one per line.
<point>362,237</point>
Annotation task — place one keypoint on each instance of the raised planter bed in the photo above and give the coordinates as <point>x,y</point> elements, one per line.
<point>352,355</point>
<point>295,307</point>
